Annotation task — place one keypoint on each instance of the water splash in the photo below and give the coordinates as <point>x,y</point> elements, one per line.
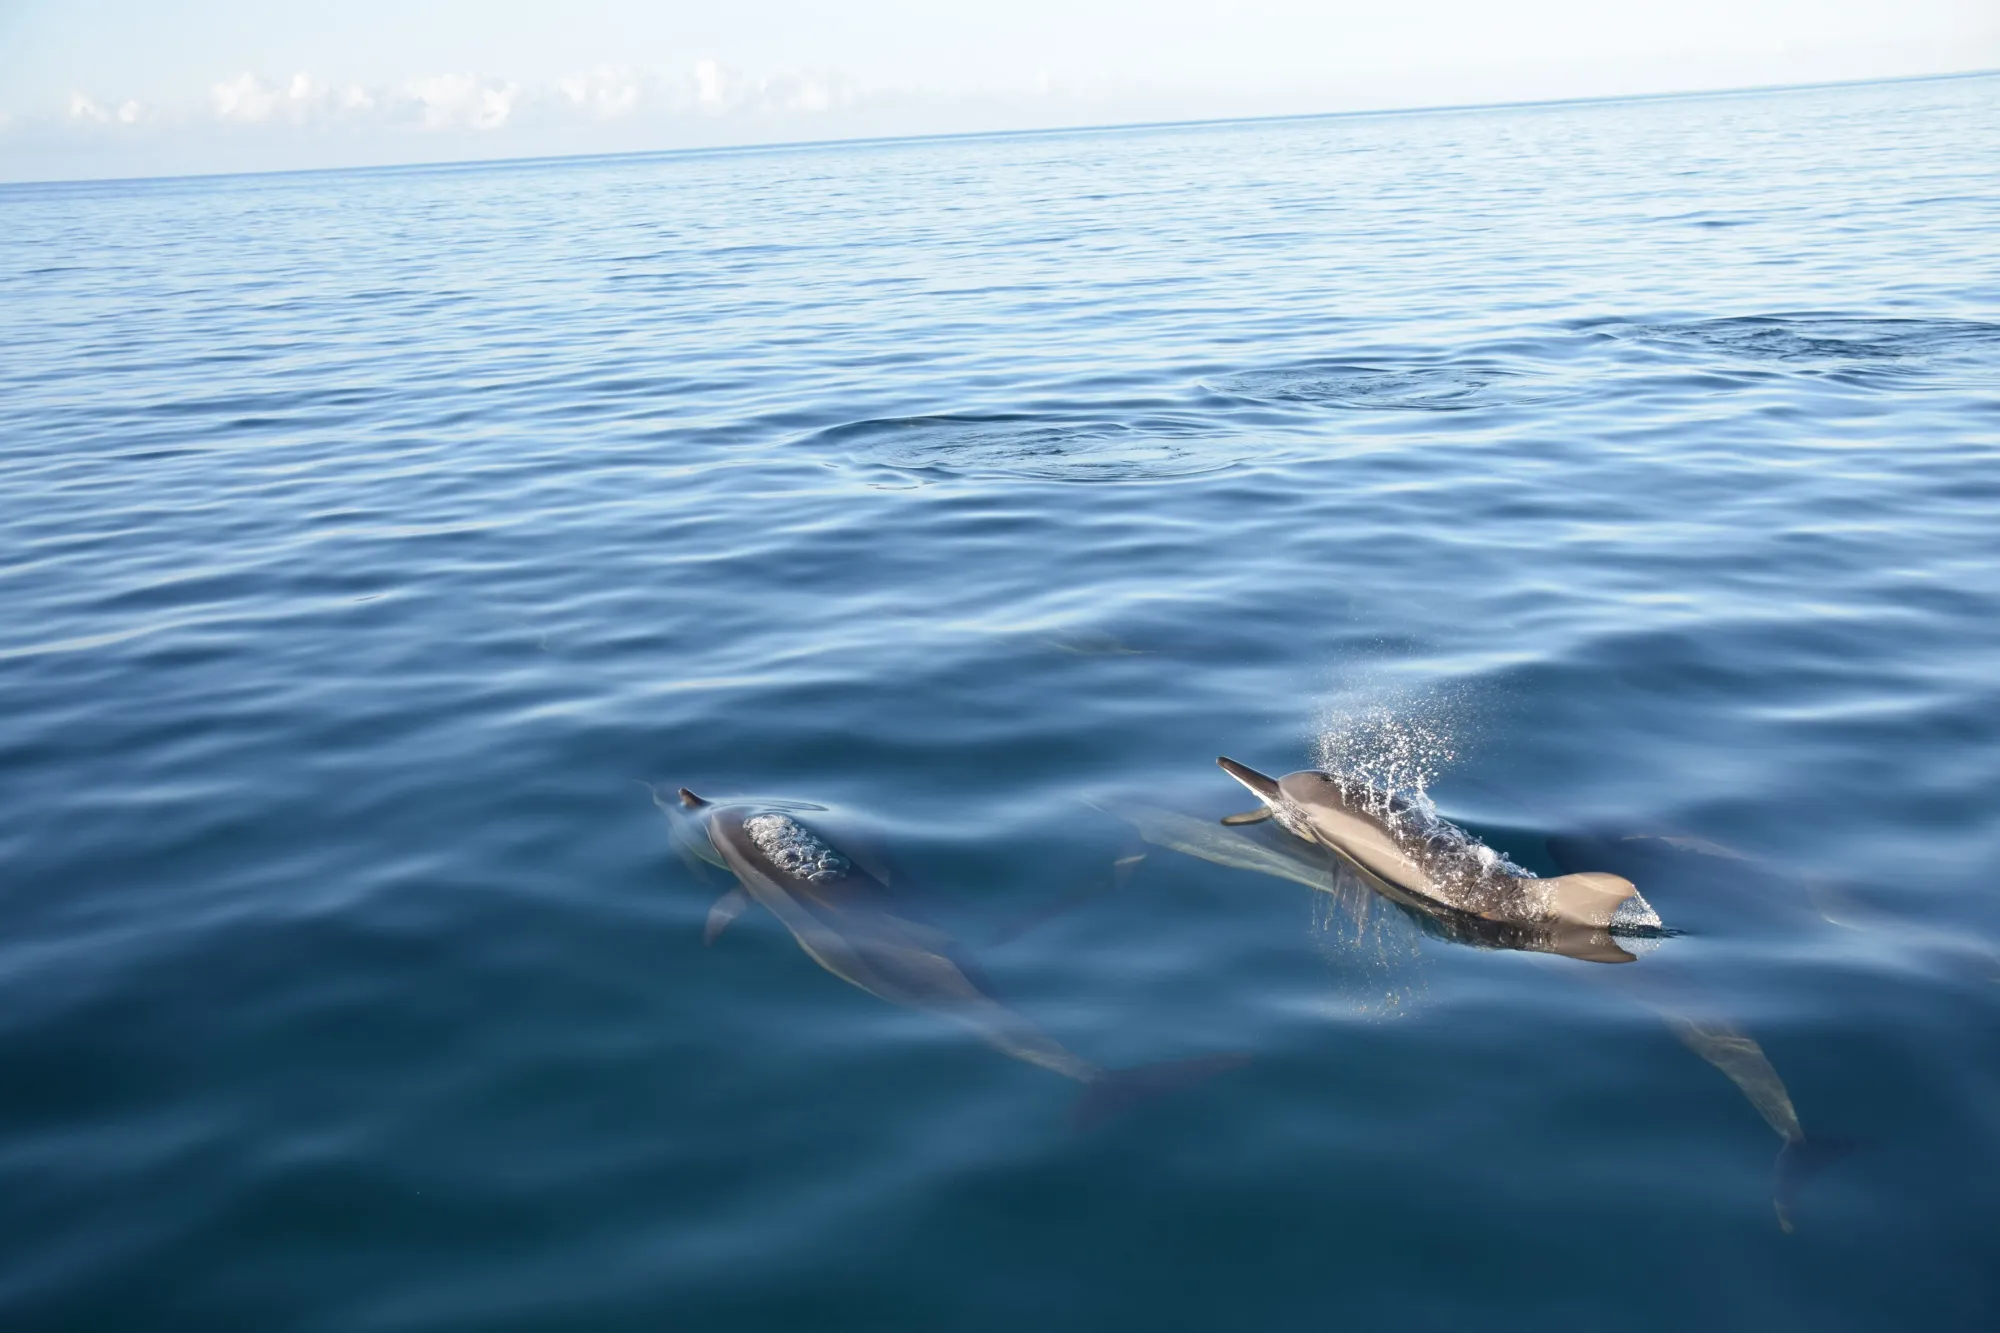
<point>1393,750</point>
<point>795,849</point>
<point>1376,951</point>
<point>1399,747</point>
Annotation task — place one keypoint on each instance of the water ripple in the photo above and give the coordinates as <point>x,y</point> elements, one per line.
<point>1042,446</point>
<point>1413,387</point>
<point>1891,350</point>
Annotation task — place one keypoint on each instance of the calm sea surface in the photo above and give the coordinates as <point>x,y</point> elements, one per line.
<point>1626,477</point>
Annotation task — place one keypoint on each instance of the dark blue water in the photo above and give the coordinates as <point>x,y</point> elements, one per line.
<point>1601,471</point>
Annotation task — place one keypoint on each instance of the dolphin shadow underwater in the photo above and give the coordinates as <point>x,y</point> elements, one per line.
<point>837,904</point>
<point>1337,835</point>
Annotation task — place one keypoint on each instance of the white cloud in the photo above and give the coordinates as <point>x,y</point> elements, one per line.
<point>719,90</point>
<point>605,94</point>
<point>453,101</point>
<point>245,98</point>
<point>811,92</point>
<point>464,101</point>
<point>715,88</point>
<point>656,105</point>
<point>85,109</point>
<point>248,99</point>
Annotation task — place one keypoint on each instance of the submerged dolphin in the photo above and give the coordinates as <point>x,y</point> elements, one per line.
<point>843,915</point>
<point>1438,868</point>
<point>1733,1052</point>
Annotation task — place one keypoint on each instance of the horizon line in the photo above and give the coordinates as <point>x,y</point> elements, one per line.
<point>1114,127</point>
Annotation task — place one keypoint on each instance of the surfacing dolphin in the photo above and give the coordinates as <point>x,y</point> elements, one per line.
<point>1311,864</point>
<point>1436,868</point>
<point>844,916</point>
<point>1304,859</point>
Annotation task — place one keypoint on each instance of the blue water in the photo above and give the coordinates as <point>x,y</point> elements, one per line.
<point>1598,471</point>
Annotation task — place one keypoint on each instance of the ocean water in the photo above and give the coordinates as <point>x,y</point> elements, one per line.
<point>1622,478</point>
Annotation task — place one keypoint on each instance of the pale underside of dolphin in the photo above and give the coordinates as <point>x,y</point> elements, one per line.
<point>843,915</point>
<point>1733,1053</point>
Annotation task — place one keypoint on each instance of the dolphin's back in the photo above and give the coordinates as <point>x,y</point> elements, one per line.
<point>1343,820</point>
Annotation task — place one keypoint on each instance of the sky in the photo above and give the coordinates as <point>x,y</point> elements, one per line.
<point>108,88</point>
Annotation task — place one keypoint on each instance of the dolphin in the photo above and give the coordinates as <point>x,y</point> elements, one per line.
<point>1432,866</point>
<point>843,914</point>
<point>1304,859</point>
<point>1312,864</point>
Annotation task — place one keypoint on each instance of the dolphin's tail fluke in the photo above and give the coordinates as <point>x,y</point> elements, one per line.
<point>1798,1162</point>
<point>1117,1091</point>
<point>1264,788</point>
<point>690,800</point>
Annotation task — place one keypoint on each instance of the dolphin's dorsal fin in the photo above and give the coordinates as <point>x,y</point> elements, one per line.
<point>1588,899</point>
<point>1257,816</point>
<point>690,800</point>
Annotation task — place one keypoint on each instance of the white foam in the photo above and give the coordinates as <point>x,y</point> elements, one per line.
<point>795,849</point>
<point>1635,914</point>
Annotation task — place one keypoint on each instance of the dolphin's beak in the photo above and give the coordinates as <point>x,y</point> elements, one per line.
<point>1264,788</point>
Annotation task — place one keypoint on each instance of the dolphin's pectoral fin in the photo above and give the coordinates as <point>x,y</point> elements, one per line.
<point>1124,868</point>
<point>727,908</point>
<point>1835,904</point>
<point>1257,816</point>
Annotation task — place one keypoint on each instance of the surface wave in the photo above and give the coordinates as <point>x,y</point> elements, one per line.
<point>1366,386</point>
<point>1045,447</point>
<point>1833,343</point>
